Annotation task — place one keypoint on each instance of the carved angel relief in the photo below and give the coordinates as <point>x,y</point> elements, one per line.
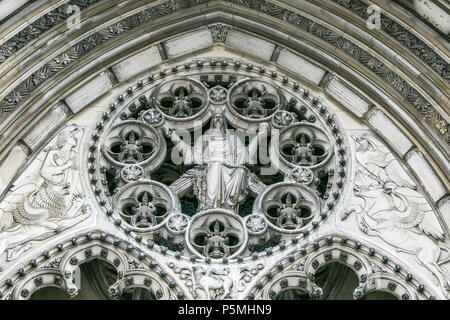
<point>46,199</point>
<point>391,208</point>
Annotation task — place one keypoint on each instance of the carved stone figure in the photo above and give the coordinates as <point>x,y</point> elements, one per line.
<point>393,210</point>
<point>220,180</point>
<point>51,202</point>
<point>214,281</point>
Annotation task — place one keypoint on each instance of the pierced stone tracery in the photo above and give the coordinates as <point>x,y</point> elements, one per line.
<point>210,205</point>
<point>216,169</point>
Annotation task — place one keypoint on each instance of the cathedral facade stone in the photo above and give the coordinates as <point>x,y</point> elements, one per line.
<point>220,150</point>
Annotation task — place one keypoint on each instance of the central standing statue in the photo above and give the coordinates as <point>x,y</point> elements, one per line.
<point>220,179</point>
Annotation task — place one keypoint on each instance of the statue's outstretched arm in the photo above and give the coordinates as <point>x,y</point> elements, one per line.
<point>185,148</point>
<point>259,139</point>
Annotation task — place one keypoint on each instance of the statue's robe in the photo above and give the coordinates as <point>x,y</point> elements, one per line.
<point>222,178</point>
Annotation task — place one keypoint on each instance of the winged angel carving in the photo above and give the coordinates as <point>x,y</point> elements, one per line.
<point>46,201</point>
<point>393,210</point>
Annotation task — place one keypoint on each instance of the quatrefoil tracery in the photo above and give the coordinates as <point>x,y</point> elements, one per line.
<point>138,148</point>
<point>134,142</point>
<point>304,145</point>
<point>181,100</point>
<point>145,205</point>
<point>254,99</point>
<point>217,234</point>
<point>288,206</point>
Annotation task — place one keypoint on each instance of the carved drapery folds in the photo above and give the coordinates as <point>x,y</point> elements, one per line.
<point>219,184</point>
<point>193,140</point>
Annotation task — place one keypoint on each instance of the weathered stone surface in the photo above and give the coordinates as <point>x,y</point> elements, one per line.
<point>9,166</point>
<point>88,92</point>
<point>349,98</point>
<point>434,14</point>
<point>428,178</point>
<point>388,129</point>
<point>444,209</point>
<point>9,6</point>
<point>302,67</point>
<point>251,45</point>
<point>190,42</point>
<point>50,122</point>
<point>341,189</point>
<point>137,63</point>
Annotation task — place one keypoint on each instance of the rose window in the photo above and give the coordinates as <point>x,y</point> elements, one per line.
<point>256,170</point>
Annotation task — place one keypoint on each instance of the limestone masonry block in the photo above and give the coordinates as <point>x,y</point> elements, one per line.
<point>137,63</point>
<point>8,168</point>
<point>88,92</point>
<point>348,97</point>
<point>190,42</point>
<point>389,131</point>
<point>302,67</point>
<point>422,169</point>
<point>246,43</point>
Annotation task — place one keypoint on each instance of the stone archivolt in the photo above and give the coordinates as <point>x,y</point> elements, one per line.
<point>216,225</point>
<point>315,28</point>
<point>224,178</point>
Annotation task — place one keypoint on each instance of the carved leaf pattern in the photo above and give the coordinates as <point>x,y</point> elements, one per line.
<point>87,45</point>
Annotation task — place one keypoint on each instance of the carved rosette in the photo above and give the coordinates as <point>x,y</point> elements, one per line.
<point>218,94</point>
<point>153,117</point>
<point>256,224</point>
<point>177,223</point>
<point>283,118</point>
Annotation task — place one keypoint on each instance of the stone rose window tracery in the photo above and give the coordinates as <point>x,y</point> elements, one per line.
<point>214,170</point>
<point>254,99</point>
<point>304,145</point>
<point>180,174</point>
<point>180,99</point>
<point>132,142</point>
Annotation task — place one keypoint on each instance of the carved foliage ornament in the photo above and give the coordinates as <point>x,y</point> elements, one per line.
<point>149,189</point>
<point>152,212</point>
<point>86,45</point>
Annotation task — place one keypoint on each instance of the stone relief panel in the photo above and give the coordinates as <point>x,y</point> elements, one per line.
<point>47,198</point>
<point>222,181</point>
<point>389,206</point>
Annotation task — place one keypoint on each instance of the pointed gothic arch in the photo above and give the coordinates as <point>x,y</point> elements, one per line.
<point>358,92</point>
